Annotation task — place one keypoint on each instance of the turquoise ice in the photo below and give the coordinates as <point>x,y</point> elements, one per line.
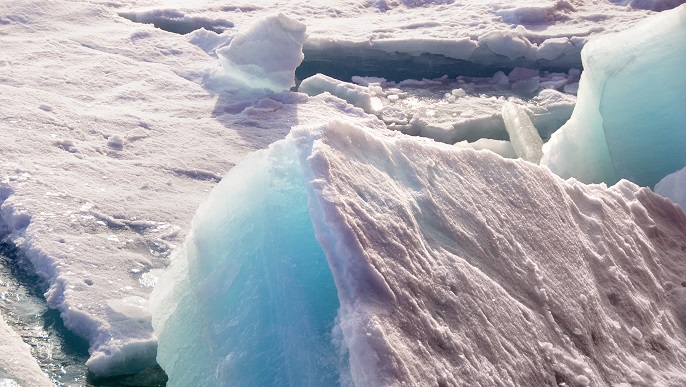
<point>258,303</point>
<point>630,118</point>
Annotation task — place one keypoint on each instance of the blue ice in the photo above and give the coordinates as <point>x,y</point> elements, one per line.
<point>258,303</point>
<point>630,118</point>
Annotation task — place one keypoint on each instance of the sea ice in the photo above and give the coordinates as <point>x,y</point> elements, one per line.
<point>110,140</point>
<point>524,137</point>
<point>451,266</point>
<point>356,95</point>
<point>629,120</point>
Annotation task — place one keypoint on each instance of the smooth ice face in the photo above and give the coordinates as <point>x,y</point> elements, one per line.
<point>630,120</point>
<point>266,55</point>
<point>250,299</point>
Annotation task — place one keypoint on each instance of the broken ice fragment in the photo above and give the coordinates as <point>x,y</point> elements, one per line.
<point>524,137</point>
<point>265,56</point>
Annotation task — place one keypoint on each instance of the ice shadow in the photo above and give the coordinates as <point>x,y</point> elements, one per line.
<point>258,117</point>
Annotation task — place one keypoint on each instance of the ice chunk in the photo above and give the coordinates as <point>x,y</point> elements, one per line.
<point>266,55</point>
<point>449,265</point>
<point>511,44</point>
<point>525,139</point>
<point>552,48</point>
<point>250,299</point>
<point>453,265</point>
<point>630,120</point>
<point>356,95</point>
<point>673,187</point>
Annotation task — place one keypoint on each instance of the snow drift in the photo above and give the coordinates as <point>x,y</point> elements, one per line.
<point>630,120</point>
<point>452,267</point>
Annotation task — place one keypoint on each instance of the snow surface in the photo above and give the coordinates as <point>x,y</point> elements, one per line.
<point>496,270</point>
<point>629,120</point>
<point>115,131</point>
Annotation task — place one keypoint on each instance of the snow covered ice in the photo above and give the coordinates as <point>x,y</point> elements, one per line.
<point>114,131</point>
<point>448,265</point>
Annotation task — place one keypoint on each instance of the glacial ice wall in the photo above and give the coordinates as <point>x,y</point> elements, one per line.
<point>630,117</point>
<point>451,267</point>
<point>249,299</point>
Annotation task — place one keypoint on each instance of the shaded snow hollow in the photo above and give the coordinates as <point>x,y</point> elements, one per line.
<point>452,267</point>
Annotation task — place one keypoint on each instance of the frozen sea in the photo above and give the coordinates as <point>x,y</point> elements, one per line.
<point>361,192</point>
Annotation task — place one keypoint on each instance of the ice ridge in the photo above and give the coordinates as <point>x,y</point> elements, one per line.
<point>451,267</point>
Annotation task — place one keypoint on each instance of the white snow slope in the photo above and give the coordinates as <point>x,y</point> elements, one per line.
<point>463,268</point>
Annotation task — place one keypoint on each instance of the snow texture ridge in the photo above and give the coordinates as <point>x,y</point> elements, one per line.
<point>496,270</point>
<point>629,121</point>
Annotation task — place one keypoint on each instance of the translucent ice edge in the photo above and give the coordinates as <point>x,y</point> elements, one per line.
<point>251,293</point>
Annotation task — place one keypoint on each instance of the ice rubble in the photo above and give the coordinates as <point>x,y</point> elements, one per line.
<point>630,115</point>
<point>496,270</point>
<point>459,109</point>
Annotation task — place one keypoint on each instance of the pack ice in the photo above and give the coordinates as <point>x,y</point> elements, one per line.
<point>451,267</point>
